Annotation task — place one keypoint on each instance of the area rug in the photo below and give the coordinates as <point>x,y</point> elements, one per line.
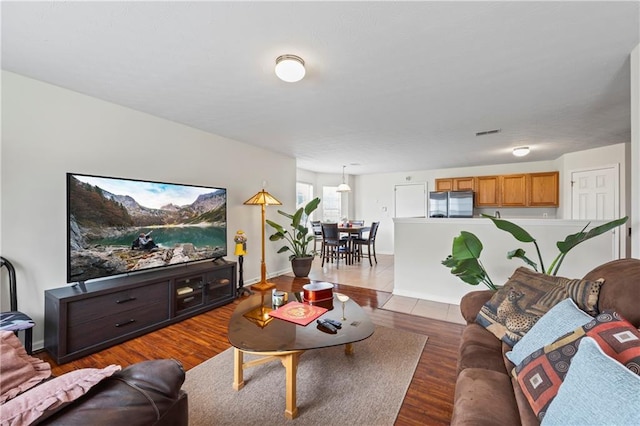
<point>366,388</point>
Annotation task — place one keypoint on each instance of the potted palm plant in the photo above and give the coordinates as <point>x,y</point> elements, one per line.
<point>464,260</point>
<point>297,238</point>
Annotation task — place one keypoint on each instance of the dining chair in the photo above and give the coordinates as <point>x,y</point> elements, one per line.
<point>369,242</point>
<point>316,227</point>
<point>15,320</point>
<point>333,247</point>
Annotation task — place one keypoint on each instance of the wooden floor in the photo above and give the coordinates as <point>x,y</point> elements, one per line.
<point>429,398</point>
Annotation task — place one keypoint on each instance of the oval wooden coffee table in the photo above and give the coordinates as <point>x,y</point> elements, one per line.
<point>252,331</point>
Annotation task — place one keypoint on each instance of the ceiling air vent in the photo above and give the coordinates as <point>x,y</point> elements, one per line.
<point>488,132</point>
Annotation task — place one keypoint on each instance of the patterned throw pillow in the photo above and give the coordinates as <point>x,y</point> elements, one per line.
<point>541,373</point>
<point>528,295</point>
<point>560,320</point>
<point>584,293</point>
<point>597,390</point>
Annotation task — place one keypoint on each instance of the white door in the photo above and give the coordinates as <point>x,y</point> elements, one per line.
<point>594,194</point>
<point>411,200</point>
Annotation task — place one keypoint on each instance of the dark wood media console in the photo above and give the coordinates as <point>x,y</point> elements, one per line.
<point>78,323</point>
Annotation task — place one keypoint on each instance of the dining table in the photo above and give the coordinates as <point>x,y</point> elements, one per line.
<point>354,232</point>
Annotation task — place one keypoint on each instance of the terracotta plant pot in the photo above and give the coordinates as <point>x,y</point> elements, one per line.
<point>301,266</point>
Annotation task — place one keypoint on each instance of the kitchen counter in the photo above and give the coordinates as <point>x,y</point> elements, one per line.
<point>422,243</point>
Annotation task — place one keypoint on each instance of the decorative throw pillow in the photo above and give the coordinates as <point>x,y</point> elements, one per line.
<point>563,318</point>
<point>528,295</point>
<point>584,292</point>
<point>514,309</point>
<point>18,370</point>
<point>596,390</point>
<point>29,406</point>
<point>541,373</point>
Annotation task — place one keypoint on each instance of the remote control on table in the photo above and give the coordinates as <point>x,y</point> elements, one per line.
<point>326,327</point>
<point>335,323</point>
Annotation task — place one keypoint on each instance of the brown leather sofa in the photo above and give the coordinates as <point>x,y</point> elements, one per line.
<point>486,393</point>
<point>146,393</point>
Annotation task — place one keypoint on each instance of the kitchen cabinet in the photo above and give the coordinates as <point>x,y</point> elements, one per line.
<point>444,184</point>
<point>543,189</point>
<point>487,191</point>
<point>463,184</point>
<point>455,184</point>
<point>514,190</point>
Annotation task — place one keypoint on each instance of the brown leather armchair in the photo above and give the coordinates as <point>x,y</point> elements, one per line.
<point>146,393</point>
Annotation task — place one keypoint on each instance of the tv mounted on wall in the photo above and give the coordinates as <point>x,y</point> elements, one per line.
<point>117,226</point>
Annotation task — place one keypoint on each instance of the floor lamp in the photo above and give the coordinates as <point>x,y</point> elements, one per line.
<point>263,199</point>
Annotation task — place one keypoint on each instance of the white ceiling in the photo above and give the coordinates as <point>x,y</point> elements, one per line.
<point>392,86</point>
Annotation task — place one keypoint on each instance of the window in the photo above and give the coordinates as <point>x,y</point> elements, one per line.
<point>331,204</point>
<point>304,194</point>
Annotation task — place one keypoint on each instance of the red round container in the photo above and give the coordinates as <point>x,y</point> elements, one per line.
<point>318,293</point>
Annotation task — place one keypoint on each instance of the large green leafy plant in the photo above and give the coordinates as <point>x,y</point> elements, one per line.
<point>465,263</point>
<point>297,238</point>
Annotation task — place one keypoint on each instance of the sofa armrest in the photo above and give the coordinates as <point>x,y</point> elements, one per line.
<point>472,302</point>
<point>145,393</point>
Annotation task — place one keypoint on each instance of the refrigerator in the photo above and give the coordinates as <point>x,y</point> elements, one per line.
<point>451,204</point>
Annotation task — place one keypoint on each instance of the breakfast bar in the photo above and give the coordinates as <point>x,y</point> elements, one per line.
<point>422,243</point>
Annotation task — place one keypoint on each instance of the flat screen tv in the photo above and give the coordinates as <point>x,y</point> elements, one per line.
<point>118,226</point>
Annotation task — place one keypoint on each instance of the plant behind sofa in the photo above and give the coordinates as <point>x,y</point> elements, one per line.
<point>465,263</point>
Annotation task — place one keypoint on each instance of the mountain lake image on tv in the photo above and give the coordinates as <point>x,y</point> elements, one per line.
<point>117,226</point>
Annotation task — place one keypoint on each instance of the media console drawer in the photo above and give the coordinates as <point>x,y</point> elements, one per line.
<point>110,327</point>
<point>82,311</point>
<point>79,322</point>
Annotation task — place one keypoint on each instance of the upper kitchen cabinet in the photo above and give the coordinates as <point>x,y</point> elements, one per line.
<point>444,184</point>
<point>455,184</point>
<point>487,191</point>
<point>463,184</point>
<point>514,190</point>
<point>543,189</point>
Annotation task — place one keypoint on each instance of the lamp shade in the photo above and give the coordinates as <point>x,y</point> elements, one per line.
<point>263,197</point>
<point>290,68</point>
<point>343,187</point>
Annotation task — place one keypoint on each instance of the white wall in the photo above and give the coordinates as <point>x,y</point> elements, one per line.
<point>48,131</point>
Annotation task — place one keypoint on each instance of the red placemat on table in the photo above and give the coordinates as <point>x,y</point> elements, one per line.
<point>299,313</point>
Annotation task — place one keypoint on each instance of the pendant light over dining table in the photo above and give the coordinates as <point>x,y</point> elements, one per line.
<point>343,187</point>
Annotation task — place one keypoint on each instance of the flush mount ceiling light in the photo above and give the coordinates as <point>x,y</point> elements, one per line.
<point>343,187</point>
<point>521,151</point>
<point>290,68</point>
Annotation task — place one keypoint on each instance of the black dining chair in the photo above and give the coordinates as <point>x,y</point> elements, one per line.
<point>333,247</point>
<point>369,242</point>
<point>15,320</point>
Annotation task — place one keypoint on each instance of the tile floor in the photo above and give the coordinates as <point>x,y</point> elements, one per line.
<point>380,277</point>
